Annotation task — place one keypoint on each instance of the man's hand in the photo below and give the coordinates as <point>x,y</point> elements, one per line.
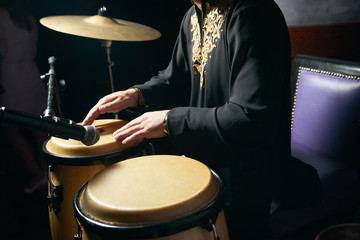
<point>149,125</point>
<point>113,102</point>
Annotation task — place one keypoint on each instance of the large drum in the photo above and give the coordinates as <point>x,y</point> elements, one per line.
<point>152,197</point>
<point>71,164</point>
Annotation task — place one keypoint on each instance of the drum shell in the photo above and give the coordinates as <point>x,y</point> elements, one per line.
<point>68,173</point>
<point>195,226</point>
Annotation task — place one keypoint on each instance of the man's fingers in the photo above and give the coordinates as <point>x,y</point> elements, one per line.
<point>123,133</point>
<point>103,106</point>
<point>133,137</point>
<point>109,107</point>
<point>91,116</point>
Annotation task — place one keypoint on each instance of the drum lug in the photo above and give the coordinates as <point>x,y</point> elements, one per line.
<point>55,195</point>
<point>78,236</point>
<point>216,237</point>
<point>210,226</point>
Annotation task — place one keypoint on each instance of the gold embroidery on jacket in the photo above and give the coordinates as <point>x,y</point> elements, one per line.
<point>212,25</point>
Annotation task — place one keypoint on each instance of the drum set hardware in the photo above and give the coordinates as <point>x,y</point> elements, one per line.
<point>103,28</point>
<point>55,195</point>
<point>54,87</point>
<point>49,111</point>
<point>100,27</point>
<point>107,45</point>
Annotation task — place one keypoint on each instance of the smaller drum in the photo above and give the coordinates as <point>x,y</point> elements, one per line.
<point>71,164</point>
<point>152,197</point>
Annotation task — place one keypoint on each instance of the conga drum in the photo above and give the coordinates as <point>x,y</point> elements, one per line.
<point>71,164</point>
<point>161,197</point>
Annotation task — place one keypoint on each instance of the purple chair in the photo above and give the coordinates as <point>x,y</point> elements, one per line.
<point>324,134</point>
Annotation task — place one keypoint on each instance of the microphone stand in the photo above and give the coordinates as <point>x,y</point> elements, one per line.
<point>49,111</point>
<point>54,87</point>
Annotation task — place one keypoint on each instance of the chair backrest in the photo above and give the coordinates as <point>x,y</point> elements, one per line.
<point>326,107</point>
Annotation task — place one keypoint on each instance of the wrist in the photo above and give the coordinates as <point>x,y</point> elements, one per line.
<point>133,97</point>
<point>140,100</point>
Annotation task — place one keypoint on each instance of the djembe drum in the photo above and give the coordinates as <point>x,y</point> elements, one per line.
<point>152,197</point>
<point>71,164</point>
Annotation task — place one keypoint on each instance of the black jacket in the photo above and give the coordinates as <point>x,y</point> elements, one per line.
<point>241,114</point>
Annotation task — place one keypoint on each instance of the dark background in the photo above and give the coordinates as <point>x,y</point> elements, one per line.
<point>82,62</point>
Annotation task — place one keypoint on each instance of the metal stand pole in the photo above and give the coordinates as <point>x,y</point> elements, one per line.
<point>107,45</point>
<point>49,111</point>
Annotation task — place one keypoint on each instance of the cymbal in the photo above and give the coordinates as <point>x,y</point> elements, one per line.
<point>100,27</point>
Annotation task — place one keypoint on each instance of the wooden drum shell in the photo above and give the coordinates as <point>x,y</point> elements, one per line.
<point>71,164</point>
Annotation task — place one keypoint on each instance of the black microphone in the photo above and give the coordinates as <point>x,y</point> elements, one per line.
<point>55,126</point>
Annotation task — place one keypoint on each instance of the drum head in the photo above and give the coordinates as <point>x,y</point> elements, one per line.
<point>158,194</point>
<point>74,152</point>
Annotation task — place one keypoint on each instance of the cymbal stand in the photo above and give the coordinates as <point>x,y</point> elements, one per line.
<point>107,45</point>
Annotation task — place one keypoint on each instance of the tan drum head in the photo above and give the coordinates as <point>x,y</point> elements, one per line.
<point>148,190</point>
<point>106,144</point>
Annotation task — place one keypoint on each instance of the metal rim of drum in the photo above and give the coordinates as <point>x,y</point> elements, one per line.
<point>149,231</point>
<point>95,159</point>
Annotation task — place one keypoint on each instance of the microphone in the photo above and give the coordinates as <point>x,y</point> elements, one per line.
<point>55,126</point>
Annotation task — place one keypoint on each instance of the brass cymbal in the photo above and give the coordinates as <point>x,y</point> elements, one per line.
<point>100,27</point>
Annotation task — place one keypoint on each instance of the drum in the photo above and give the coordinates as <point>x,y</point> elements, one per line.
<point>152,197</point>
<point>71,164</point>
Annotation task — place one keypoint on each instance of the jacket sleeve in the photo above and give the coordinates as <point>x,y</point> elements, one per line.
<point>171,87</point>
<point>259,55</point>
